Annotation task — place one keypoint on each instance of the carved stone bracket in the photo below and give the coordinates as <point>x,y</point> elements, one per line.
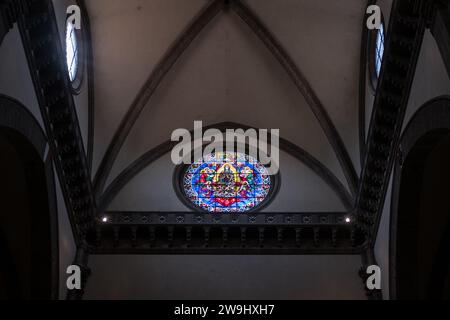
<point>200,233</point>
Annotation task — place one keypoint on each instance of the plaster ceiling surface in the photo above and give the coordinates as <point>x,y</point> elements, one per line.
<point>226,74</point>
<point>129,38</point>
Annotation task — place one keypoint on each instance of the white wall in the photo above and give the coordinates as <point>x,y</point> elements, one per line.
<point>431,80</point>
<point>225,277</point>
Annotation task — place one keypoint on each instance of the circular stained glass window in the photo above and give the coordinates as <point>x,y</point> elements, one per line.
<point>225,183</point>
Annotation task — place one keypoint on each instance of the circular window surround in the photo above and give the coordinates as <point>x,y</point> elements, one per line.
<point>372,56</point>
<point>77,82</point>
<point>178,178</point>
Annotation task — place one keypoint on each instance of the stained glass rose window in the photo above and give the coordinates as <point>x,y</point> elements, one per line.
<point>227,182</point>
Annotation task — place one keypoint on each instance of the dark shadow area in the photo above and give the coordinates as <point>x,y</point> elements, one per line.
<point>422,243</point>
<point>25,235</point>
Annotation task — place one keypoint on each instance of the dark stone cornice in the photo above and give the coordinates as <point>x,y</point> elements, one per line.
<point>268,233</point>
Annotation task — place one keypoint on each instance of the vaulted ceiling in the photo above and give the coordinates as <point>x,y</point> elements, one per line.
<point>227,73</point>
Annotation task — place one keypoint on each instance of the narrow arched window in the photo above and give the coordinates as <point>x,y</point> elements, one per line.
<point>74,56</point>
<point>376,53</point>
<point>72,53</point>
<point>379,50</point>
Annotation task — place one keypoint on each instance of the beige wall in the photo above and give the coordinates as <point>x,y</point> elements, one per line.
<point>225,277</point>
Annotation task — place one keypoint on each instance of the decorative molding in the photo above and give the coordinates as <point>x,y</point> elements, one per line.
<point>297,152</point>
<point>406,31</point>
<point>164,66</point>
<point>200,233</point>
<point>40,36</point>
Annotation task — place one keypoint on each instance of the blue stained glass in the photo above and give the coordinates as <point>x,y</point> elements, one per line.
<point>227,182</point>
<point>379,50</point>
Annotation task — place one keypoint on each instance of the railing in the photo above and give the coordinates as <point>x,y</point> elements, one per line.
<point>259,233</point>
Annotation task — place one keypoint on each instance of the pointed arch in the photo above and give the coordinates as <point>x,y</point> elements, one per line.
<point>22,134</point>
<point>154,154</point>
<point>156,77</point>
<point>180,46</point>
<point>275,47</point>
